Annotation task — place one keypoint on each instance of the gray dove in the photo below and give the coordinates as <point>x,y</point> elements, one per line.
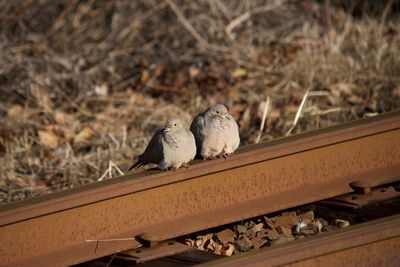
<point>216,132</point>
<point>170,147</point>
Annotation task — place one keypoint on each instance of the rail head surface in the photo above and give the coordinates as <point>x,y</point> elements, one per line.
<point>131,183</point>
<point>54,230</point>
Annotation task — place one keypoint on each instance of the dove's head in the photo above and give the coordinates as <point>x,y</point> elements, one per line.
<point>173,124</point>
<point>218,110</point>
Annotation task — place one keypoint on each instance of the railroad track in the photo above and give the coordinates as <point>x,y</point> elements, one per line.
<point>152,206</point>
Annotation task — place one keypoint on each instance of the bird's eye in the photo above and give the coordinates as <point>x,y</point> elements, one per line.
<point>175,125</point>
<point>217,112</point>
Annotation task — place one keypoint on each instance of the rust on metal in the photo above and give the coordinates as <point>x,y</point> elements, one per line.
<point>374,243</point>
<point>163,249</point>
<point>358,200</point>
<point>52,230</point>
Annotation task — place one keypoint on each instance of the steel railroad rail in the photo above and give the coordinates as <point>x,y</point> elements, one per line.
<point>374,243</point>
<point>153,205</point>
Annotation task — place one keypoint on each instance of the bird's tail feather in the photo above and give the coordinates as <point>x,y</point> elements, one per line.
<point>138,164</point>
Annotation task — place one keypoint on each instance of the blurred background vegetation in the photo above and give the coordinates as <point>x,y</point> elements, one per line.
<point>84,84</point>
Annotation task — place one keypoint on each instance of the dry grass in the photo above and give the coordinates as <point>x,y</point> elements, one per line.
<point>85,83</point>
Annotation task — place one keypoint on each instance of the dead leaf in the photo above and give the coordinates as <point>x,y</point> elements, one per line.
<point>84,135</point>
<point>181,79</point>
<point>342,89</point>
<point>245,121</point>
<point>15,111</point>
<point>145,76</point>
<point>194,72</point>
<point>101,90</point>
<point>238,73</point>
<point>271,80</point>
<point>42,96</point>
<point>62,117</point>
<point>354,99</point>
<point>48,138</point>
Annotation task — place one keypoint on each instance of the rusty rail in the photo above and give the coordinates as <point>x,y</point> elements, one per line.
<point>375,243</point>
<point>51,230</point>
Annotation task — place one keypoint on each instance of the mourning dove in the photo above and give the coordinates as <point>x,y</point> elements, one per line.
<point>170,147</point>
<point>216,132</point>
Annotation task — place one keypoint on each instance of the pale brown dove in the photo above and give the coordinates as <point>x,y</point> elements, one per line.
<point>170,147</point>
<point>216,132</point>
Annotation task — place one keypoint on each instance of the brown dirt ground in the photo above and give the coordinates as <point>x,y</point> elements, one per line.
<point>83,83</point>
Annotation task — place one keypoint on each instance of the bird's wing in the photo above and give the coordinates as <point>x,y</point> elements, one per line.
<point>154,150</point>
<point>197,129</point>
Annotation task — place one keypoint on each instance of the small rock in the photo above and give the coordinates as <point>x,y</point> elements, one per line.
<point>258,227</point>
<point>328,228</point>
<point>199,244</point>
<point>262,234</point>
<point>301,225</point>
<point>203,241</point>
<point>272,234</point>
<point>285,231</point>
<point>226,236</point>
<point>287,219</point>
<point>251,234</point>
<point>241,229</point>
<point>219,249</point>
<point>249,224</point>
<point>213,246</point>
<point>341,223</point>
<point>229,251</point>
<point>258,242</point>
<point>307,215</point>
<point>317,226</point>
<point>269,222</point>
<point>243,244</point>
<point>189,242</point>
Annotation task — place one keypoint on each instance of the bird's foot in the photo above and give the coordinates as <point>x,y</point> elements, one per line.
<point>224,155</point>
<point>186,165</point>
